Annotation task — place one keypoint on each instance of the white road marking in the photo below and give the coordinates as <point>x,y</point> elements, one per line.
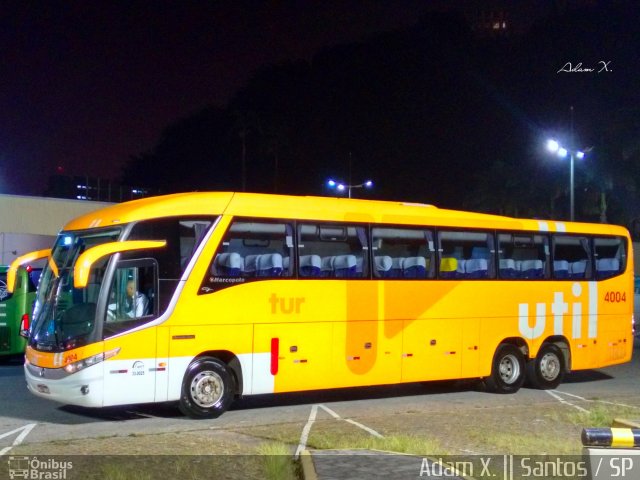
<point>25,431</point>
<point>364,427</point>
<point>565,402</point>
<point>305,432</point>
<point>304,437</point>
<point>330,412</point>
<point>352,422</point>
<point>597,400</point>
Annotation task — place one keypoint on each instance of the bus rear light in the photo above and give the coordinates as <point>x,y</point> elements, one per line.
<point>90,361</point>
<point>24,325</point>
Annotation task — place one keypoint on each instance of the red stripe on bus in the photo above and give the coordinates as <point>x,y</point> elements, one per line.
<point>275,351</point>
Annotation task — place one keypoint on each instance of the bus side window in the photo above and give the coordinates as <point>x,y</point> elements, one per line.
<point>251,250</point>
<point>611,256</point>
<point>506,262</point>
<point>471,252</point>
<point>523,256</point>
<point>574,252</point>
<point>403,252</point>
<point>132,296</point>
<point>332,251</point>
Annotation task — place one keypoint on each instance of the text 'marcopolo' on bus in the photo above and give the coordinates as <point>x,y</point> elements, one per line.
<point>202,297</point>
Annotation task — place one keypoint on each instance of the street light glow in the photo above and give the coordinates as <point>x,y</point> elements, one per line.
<point>552,146</point>
<point>562,152</point>
<point>579,155</point>
<point>341,187</point>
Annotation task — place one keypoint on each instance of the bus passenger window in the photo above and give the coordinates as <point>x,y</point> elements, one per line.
<point>523,256</point>
<point>466,254</point>
<point>571,254</point>
<point>403,253</point>
<point>332,251</point>
<point>611,256</point>
<point>251,251</point>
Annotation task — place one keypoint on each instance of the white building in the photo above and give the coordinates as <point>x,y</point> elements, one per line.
<point>31,223</point>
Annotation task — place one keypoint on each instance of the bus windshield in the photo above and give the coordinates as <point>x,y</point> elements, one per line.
<point>64,316</point>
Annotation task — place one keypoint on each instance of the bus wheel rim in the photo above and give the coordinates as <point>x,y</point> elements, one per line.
<point>207,389</point>
<point>509,369</point>
<point>549,366</point>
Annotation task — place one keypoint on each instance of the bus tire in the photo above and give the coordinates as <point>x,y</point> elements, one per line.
<point>546,371</point>
<point>207,389</point>
<point>507,370</point>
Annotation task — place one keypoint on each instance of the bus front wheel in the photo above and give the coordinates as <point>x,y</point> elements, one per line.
<point>207,389</point>
<point>547,369</point>
<point>508,370</point>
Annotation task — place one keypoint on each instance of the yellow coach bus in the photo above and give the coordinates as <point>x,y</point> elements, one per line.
<point>201,297</point>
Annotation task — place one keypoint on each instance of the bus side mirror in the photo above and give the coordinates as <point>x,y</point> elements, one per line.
<point>93,254</point>
<point>29,257</point>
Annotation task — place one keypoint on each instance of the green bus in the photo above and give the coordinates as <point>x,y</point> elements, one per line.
<point>16,307</point>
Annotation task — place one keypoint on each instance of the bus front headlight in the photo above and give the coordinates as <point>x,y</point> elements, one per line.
<point>90,361</point>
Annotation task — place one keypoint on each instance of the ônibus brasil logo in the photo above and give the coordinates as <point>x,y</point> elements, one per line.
<point>36,469</point>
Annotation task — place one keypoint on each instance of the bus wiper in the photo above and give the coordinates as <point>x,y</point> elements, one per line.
<point>54,312</point>
<point>56,329</point>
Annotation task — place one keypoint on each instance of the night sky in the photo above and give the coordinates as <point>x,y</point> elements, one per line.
<point>84,85</point>
<point>87,86</point>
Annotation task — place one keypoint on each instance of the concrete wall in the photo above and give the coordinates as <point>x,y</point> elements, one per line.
<point>12,245</point>
<point>31,223</point>
<point>39,215</point>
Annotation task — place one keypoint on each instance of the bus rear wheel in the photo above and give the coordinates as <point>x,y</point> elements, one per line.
<point>546,371</point>
<point>207,389</point>
<point>508,370</point>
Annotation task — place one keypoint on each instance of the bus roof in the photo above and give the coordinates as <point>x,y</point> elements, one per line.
<point>319,209</point>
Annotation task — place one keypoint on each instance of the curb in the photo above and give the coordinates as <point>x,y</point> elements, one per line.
<point>611,437</point>
<point>624,423</point>
<point>308,470</point>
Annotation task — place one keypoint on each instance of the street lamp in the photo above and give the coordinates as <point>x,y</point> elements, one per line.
<point>341,187</point>
<point>554,147</point>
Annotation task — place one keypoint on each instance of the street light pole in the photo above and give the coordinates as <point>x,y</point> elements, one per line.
<point>555,147</point>
<point>571,194</point>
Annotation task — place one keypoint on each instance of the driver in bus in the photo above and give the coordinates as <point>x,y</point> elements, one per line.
<point>135,304</point>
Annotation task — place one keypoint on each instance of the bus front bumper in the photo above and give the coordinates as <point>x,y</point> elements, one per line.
<point>83,388</point>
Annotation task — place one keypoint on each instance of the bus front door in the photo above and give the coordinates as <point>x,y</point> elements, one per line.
<point>130,375</point>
